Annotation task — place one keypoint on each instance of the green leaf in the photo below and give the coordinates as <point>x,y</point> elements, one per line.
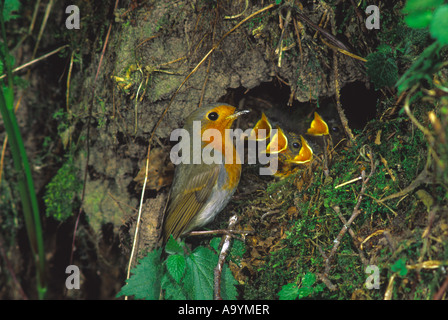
<point>214,243</point>
<point>9,98</point>
<point>439,24</point>
<point>175,265</point>
<point>61,191</point>
<point>10,6</point>
<point>238,250</point>
<point>305,292</point>
<point>419,20</point>
<point>400,267</point>
<point>382,68</point>
<point>145,281</point>
<point>172,290</point>
<point>420,12</point>
<point>289,291</point>
<point>309,279</point>
<point>413,6</point>
<point>173,247</point>
<point>198,278</point>
<point>423,68</point>
<point>228,282</point>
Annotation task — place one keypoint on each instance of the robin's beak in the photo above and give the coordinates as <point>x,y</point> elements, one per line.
<point>262,124</point>
<point>318,126</point>
<point>305,154</point>
<point>233,116</point>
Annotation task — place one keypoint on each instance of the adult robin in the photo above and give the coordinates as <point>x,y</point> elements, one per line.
<point>201,190</point>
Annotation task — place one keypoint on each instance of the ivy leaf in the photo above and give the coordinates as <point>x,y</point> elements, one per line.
<point>439,24</point>
<point>145,281</point>
<point>175,265</point>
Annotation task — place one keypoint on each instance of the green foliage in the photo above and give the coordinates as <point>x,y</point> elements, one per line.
<point>422,69</point>
<point>292,291</point>
<point>400,267</point>
<point>61,192</point>
<point>419,13</point>
<point>423,14</point>
<point>9,9</point>
<point>382,68</point>
<point>183,275</point>
<point>439,25</point>
<point>145,282</point>
<point>30,206</point>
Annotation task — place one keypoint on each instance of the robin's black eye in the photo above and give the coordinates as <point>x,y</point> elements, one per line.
<point>335,129</point>
<point>213,116</point>
<point>296,145</point>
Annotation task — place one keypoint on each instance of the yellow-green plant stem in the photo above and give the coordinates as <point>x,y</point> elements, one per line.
<point>21,165</point>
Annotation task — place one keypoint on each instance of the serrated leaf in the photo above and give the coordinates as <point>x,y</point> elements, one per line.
<point>439,24</point>
<point>289,291</point>
<point>172,290</point>
<point>175,264</point>
<point>145,281</point>
<point>382,68</point>
<point>228,283</point>
<point>198,278</point>
<point>308,279</point>
<point>173,247</point>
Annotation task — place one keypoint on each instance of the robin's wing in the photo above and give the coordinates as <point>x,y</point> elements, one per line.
<point>189,197</point>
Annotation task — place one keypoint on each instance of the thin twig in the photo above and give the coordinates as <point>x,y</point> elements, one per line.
<point>352,234</point>
<point>137,227</point>
<point>355,214</point>
<point>225,246</point>
<point>23,66</point>
<point>441,292</point>
<point>43,25</point>
<point>69,76</point>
